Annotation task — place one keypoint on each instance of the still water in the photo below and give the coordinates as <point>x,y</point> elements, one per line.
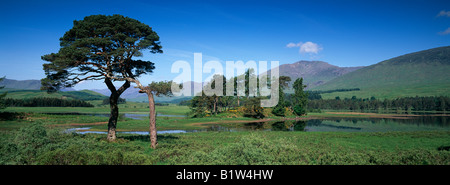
<point>419,123</point>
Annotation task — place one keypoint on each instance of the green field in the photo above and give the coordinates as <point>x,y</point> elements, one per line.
<point>32,137</point>
<point>36,145</point>
<point>129,107</point>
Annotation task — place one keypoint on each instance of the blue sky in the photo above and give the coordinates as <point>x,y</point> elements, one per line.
<point>342,33</point>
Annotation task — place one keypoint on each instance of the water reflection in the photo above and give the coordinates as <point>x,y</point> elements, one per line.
<point>289,126</point>
<point>351,124</point>
<point>420,123</point>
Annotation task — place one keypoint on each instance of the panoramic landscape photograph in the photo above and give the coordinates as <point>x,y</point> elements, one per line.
<point>225,83</point>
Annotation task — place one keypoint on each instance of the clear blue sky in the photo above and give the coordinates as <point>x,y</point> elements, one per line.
<point>342,33</point>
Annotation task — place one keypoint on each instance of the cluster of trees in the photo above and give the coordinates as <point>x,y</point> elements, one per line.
<point>46,102</point>
<point>205,105</point>
<point>433,103</point>
<point>251,105</point>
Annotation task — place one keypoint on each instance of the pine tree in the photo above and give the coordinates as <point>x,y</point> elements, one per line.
<point>300,97</point>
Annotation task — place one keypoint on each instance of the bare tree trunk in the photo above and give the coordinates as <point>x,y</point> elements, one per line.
<point>216,105</point>
<point>238,101</point>
<point>151,105</point>
<point>113,100</point>
<point>112,123</point>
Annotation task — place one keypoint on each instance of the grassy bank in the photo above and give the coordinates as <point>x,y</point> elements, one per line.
<point>36,144</point>
<point>29,136</point>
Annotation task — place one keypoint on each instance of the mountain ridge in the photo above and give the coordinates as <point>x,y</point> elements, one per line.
<point>314,73</point>
<point>420,73</point>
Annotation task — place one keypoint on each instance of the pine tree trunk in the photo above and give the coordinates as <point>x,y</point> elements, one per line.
<point>216,106</point>
<point>112,123</point>
<point>113,101</point>
<point>151,105</point>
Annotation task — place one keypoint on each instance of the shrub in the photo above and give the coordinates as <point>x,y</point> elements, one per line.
<point>299,110</point>
<point>252,108</point>
<point>279,110</point>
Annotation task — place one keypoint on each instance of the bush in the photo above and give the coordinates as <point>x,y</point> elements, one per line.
<point>252,108</point>
<point>298,110</point>
<point>279,110</point>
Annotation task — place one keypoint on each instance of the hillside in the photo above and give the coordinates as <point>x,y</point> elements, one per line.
<point>25,84</point>
<point>80,95</point>
<point>314,73</point>
<point>21,84</point>
<point>132,94</point>
<point>423,73</point>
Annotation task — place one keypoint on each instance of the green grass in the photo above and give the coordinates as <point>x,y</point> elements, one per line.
<point>312,148</point>
<point>34,139</point>
<point>129,107</point>
<point>36,145</point>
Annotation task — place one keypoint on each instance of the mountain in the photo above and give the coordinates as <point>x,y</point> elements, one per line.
<point>314,73</point>
<point>25,84</point>
<point>132,94</point>
<point>423,73</point>
<point>21,84</point>
<point>28,93</point>
<point>21,89</point>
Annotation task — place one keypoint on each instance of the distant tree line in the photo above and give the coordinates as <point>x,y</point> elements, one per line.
<point>334,90</point>
<point>433,103</point>
<point>46,102</point>
<point>119,101</point>
<point>313,95</point>
<point>162,104</point>
<point>185,102</point>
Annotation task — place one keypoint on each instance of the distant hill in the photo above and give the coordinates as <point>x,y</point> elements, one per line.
<point>314,73</point>
<point>132,94</point>
<point>21,84</point>
<point>25,84</point>
<point>423,73</point>
<point>79,95</point>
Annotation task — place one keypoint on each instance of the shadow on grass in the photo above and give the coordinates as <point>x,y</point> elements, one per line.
<point>146,138</point>
<point>10,116</point>
<point>446,148</point>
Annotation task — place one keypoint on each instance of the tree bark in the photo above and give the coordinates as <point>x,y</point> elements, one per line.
<point>113,100</point>
<point>112,123</point>
<point>216,105</point>
<point>152,115</point>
